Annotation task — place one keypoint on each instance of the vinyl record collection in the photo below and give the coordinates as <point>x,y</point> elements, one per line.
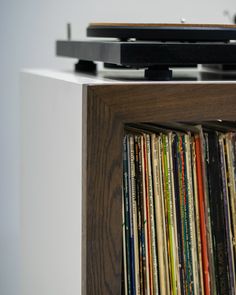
<point>179,209</point>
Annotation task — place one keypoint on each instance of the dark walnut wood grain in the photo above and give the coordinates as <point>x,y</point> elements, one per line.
<point>106,109</point>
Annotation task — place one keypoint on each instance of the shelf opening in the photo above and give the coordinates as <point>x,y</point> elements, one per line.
<point>179,208</point>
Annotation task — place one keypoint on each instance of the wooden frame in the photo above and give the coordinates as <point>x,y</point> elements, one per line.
<point>106,108</point>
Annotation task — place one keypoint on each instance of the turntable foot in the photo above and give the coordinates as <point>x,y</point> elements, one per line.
<point>85,66</point>
<point>158,73</point>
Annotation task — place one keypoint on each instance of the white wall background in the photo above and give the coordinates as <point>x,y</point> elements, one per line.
<point>28,30</point>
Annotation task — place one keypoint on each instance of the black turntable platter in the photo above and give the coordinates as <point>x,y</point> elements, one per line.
<point>164,32</point>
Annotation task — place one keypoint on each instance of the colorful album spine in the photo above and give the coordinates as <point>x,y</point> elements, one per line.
<point>152,218</point>
<point>205,261</point>
<point>142,208</point>
<point>226,203</point>
<point>174,218</point>
<point>169,211</point>
<point>192,245</point>
<point>163,217</point>
<point>139,209</point>
<point>208,213</point>
<point>146,220</point>
<point>158,214</point>
<point>131,225</point>
<point>135,214</point>
<point>197,218</point>
<point>230,159</point>
<point>184,216</point>
<point>175,156</point>
<point>127,214</point>
<point>181,206</point>
<point>149,224</point>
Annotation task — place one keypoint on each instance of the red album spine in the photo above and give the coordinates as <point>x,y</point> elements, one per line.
<point>203,231</point>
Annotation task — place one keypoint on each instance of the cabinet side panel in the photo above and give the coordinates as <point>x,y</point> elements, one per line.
<point>51,186</point>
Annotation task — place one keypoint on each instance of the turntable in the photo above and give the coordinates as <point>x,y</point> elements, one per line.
<point>154,47</point>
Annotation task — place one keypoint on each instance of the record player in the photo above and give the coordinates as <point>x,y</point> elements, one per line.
<point>156,48</point>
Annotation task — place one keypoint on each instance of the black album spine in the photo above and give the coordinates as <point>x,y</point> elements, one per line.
<point>216,202</point>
